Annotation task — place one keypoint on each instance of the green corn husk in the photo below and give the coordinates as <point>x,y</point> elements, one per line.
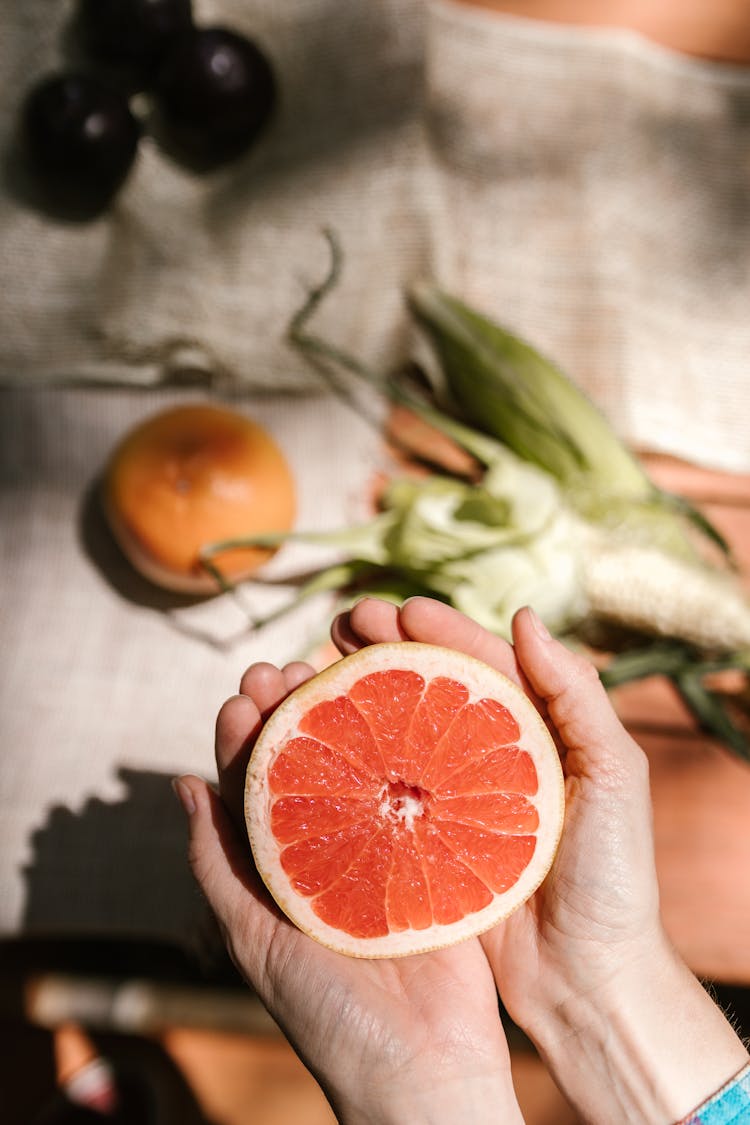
<point>510,390</point>
<point>506,387</point>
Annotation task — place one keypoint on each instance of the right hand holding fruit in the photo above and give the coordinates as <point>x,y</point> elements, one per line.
<point>584,967</point>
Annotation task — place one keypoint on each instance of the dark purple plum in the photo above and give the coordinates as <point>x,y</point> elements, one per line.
<point>216,91</point>
<point>133,33</point>
<point>80,136</point>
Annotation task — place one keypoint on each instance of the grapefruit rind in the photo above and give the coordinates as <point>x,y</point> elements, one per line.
<point>483,682</point>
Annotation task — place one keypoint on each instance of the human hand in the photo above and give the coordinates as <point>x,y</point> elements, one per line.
<point>584,967</point>
<point>416,1038</point>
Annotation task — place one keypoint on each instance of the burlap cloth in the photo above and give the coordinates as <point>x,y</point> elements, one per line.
<point>587,188</point>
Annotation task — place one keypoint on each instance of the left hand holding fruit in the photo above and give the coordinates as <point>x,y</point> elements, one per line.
<point>380,1036</point>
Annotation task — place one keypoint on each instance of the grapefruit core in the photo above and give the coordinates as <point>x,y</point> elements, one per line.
<point>404,799</point>
<point>191,476</point>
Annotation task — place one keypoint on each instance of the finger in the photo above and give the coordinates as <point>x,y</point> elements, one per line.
<point>373,621</point>
<point>433,622</point>
<point>237,726</point>
<point>343,636</point>
<point>265,685</point>
<point>296,673</point>
<point>578,706</point>
<point>376,621</point>
<point>240,721</point>
<point>222,866</point>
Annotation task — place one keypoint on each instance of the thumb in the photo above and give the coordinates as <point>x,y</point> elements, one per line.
<point>594,741</point>
<point>221,864</point>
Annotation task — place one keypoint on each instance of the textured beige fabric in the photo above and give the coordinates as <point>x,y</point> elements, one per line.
<point>204,271</point>
<point>110,687</point>
<point>588,189</point>
<point>595,195</point>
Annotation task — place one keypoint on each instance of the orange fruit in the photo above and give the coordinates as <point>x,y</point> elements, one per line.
<point>405,798</point>
<point>190,476</point>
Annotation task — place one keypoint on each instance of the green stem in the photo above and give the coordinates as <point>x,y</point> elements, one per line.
<point>334,577</point>
<point>661,659</point>
<point>225,585</point>
<point>687,673</point>
<point>679,504</point>
<point>710,712</point>
<point>485,448</point>
<point>668,660</point>
<point>362,541</point>
<point>315,345</point>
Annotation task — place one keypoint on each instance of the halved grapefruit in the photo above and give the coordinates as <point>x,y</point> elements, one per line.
<point>404,799</point>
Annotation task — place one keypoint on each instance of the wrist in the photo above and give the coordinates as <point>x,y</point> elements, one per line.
<point>648,1045</point>
<point>480,1099</point>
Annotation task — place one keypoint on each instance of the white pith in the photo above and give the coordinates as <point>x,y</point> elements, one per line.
<point>405,808</point>
<point>429,661</point>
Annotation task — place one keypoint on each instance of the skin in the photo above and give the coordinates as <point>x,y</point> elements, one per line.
<point>362,1027</point>
<point>711,29</point>
<point>584,967</point>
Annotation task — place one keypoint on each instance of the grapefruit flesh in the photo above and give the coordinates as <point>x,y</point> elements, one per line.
<point>190,476</point>
<point>404,799</point>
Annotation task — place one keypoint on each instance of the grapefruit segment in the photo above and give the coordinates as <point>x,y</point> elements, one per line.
<point>387,702</point>
<point>356,901</point>
<point>337,723</point>
<point>477,728</point>
<point>455,891</point>
<point>407,901</point>
<point>509,813</point>
<point>497,859</point>
<point>298,818</point>
<point>402,800</point>
<point>306,766</point>
<point>509,770</point>
<point>316,862</point>
<point>431,719</point>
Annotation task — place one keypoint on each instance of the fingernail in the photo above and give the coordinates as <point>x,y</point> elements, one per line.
<point>540,628</point>
<point>184,795</point>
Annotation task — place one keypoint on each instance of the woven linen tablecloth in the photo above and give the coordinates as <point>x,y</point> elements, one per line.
<point>587,188</point>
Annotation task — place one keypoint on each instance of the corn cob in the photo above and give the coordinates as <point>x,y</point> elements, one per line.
<point>643,588</point>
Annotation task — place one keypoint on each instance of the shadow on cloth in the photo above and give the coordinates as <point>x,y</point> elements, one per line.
<point>223,627</point>
<point>116,869</point>
<point>100,546</point>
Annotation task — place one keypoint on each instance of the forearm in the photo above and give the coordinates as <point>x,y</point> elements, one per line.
<point>649,1046</point>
